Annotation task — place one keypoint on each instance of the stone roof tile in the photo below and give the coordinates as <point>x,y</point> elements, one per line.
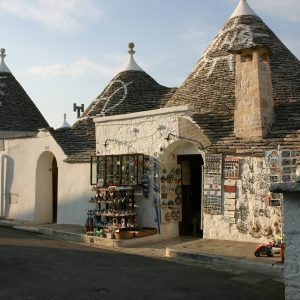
<point>17,110</point>
<point>210,88</point>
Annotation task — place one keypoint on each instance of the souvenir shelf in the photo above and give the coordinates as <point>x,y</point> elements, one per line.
<point>119,170</point>
<point>114,178</point>
<point>114,209</point>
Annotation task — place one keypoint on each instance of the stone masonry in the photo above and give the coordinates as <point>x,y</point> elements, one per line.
<point>291,196</point>
<point>253,113</point>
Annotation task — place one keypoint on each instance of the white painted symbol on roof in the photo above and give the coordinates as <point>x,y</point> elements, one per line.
<point>236,34</point>
<point>122,88</point>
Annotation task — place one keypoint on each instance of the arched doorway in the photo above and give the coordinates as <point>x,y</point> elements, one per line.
<point>46,189</point>
<point>189,157</point>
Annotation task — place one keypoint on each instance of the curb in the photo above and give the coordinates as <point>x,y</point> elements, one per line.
<point>197,258</point>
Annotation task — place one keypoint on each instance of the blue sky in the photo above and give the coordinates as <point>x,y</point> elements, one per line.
<point>66,51</point>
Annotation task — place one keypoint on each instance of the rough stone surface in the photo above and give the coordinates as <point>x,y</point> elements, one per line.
<point>128,92</point>
<point>210,88</point>
<point>253,113</point>
<point>292,245</point>
<point>18,113</point>
<point>254,219</point>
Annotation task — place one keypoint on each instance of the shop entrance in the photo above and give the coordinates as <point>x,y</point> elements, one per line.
<point>191,168</point>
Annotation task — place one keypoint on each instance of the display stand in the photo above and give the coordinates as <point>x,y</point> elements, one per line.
<point>114,212</point>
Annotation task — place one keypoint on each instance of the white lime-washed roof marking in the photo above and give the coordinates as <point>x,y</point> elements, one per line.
<point>3,66</point>
<point>243,9</point>
<point>131,65</point>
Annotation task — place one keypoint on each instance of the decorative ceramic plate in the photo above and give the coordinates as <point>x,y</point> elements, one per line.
<point>163,179</point>
<point>163,188</point>
<point>178,200</point>
<point>175,214</point>
<point>170,204</point>
<point>168,216</point>
<point>169,178</point>
<point>178,190</point>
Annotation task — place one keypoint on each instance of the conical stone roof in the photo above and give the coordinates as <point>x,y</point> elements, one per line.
<point>210,87</point>
<point>18,114</point>
<point>131,90</point>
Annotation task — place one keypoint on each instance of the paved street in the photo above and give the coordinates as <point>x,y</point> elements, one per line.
<point>34,266</point>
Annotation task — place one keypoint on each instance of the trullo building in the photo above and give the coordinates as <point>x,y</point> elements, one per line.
<point>196,159</point>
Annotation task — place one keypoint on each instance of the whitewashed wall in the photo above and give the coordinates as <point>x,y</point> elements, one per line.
<point>146,132</point>
<point>74,193</point>
<point>143,132</point>
<point>18,177</point>
<point>255,219</point>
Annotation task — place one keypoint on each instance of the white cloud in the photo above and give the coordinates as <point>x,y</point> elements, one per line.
<point>285,9</point>
<point>75,70</point>
<point>66,16</point>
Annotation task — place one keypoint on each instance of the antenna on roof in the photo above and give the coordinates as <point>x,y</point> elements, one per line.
<point>78,109</point>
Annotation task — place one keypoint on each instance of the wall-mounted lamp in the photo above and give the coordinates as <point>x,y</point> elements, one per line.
<point>170,136</point>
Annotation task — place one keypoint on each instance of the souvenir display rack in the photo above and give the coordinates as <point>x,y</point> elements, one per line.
<point>114,178</point>
<point>212,195</point>
<point>114,210</point>
<point>118,170</point>
<point>170,193</point>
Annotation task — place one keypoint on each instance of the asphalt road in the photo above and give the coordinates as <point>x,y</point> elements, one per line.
<point>34,266</point>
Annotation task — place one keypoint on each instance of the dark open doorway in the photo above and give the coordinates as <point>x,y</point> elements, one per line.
<point>54,190</point>
<point>191,166</point>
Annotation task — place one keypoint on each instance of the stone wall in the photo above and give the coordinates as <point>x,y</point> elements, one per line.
<point>253,219</point>
<point>292,243</point>
<point>254,95</point>
<point>291,206</point>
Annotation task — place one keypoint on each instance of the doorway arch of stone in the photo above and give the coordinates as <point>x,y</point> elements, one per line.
<point>45,188</point>
<point>191,161</point>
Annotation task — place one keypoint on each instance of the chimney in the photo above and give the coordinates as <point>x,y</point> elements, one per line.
<point>253,114</point>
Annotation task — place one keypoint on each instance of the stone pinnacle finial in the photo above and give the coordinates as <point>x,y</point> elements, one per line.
<point>243,9</point>
<point>131,65</point>
<point>64,124</point>
<point>2,55</point>
<point>3,67</point>
<point>131,46</point>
